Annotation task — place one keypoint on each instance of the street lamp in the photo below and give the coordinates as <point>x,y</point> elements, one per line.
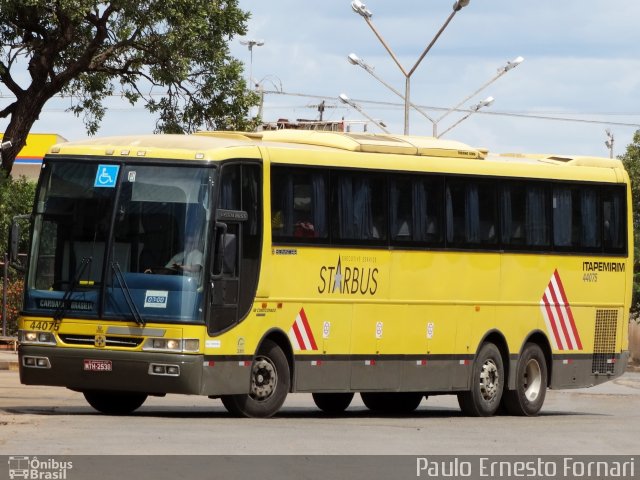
<point>361,9</point>
<point>355,60</point>
<point>250,44</point>
<point>484,103</point>
<point>510,65</point>
<point>501,71</point>
<point>351,103</point>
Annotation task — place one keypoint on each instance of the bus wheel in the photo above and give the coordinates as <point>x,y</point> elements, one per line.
<point>391,402</point>
<point>270,383</point>
<point>487,384</point>
<point>332,403</point>
<point>114,403</point>
<point>531,383</point>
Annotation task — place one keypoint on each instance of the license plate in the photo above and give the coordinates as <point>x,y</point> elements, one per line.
<point>97,366</point>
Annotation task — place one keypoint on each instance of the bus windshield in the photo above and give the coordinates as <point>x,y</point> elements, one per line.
<point>120,241</point>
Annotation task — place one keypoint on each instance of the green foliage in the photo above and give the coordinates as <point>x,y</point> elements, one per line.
<point>90,49</point>
<point>16,198</point>
<point>15,291</point>
<point>631,161</point>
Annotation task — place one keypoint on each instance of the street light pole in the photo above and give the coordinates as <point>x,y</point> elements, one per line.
<point>250,44</point>
<point>355,60</point>
<point>484,103</point>
<point>501,71</point>
<point>361,9</point>
<point>352,104</point>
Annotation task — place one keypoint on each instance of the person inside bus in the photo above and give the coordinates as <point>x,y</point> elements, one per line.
<point>304,229</point>
<point>189,260</point>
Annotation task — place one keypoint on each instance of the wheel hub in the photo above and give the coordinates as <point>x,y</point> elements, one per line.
<point>489,380</point>
<point>263,378</point>
<point>532,380</point>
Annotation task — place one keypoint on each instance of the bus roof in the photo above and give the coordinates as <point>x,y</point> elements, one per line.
<point>411,145</point>
<point>214,145</point>
<point>179,147</point>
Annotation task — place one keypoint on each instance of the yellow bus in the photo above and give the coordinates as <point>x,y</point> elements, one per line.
<point>247,266</point>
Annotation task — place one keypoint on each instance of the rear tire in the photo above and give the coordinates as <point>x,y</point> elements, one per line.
<point>487,384</point>
<point>531,383</point>
<point>114,403</point>
<point>270,382</point>
<point>333,403</point>
<point>391,402</point>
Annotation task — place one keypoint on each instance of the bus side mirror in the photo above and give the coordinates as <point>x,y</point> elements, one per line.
<point>14,242</point>
<point>225,253</point>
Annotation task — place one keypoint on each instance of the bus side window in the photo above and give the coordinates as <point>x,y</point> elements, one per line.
<point>401,212</point>
<point>613,216</point>
<point>359,207</point>
<point>298,204</point>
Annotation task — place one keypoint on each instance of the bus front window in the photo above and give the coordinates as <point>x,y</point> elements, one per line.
<point>162,216</point>
<point>70,236</point>
<point>126,249</point>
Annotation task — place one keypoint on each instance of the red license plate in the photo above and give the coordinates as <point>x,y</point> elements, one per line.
<point>97,365</point>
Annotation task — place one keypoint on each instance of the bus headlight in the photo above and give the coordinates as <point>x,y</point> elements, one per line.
<point>172,345</point>
<point>37,338</point>
<point>191,345</point>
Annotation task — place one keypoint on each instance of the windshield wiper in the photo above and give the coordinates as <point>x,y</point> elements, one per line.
<point>115,266</point>
<point>62,308</point>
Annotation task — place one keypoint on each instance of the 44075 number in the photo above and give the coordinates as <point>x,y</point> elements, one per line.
<point>41,325</point>
<point>590,277</point>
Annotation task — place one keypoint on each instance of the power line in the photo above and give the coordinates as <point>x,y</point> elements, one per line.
<point>548,116</point>
<point>534,116</point>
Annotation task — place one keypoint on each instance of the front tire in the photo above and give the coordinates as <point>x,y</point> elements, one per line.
<point>487,384</point>
<point>333,403</point>
<point>531,383</point>
<point>270,382</point>
<point>114,403</point>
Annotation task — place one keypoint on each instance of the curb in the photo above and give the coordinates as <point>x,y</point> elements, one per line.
<point>9,365</point>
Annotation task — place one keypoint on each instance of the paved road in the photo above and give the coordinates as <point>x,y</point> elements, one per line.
<point>54,421</point>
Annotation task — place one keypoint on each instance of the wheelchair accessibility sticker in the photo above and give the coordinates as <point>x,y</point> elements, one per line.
<point>106,176</point>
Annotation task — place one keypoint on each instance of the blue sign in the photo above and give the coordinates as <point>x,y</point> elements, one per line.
<point>107,176</point>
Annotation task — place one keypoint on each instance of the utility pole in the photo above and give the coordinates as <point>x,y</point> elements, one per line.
<point>321,109</point>
<point>609,142</point>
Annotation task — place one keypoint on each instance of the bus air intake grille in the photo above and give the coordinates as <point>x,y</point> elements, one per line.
<point>111,341</point>
<point>604,341</point>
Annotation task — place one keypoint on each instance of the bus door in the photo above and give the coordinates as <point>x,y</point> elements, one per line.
<point>237,245</point>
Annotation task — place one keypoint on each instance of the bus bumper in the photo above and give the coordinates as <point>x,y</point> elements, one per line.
<point>84,369</point>
<point>581,372</point>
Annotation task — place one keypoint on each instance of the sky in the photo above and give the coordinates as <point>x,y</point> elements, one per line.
<point>582,64</point>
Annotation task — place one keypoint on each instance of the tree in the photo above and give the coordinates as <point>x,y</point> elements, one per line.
<point>90,49</point>
<point>631,161</point>
<point>16,198</point>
